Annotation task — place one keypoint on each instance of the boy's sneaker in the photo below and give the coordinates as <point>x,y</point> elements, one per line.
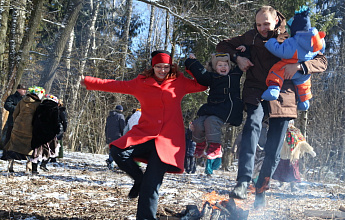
<point>200,150</point>
<point>214,151</point>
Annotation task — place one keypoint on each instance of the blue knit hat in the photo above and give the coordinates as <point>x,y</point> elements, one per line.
<point>300,22</point>
<point>119,107</point>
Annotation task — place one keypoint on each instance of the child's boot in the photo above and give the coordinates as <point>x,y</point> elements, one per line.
<point>214,151</point>
<point>272,93</point>
<point>200,149</point>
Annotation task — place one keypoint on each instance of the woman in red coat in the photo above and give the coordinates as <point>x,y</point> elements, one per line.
<point>158,139</point>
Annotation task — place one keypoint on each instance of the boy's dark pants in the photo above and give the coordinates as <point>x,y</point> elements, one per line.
<point>189,164</point>
<point>150,181</point>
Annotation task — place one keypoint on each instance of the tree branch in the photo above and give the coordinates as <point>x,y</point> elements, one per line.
<point>200,29</point>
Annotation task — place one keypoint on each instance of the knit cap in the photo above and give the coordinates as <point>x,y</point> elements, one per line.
<point>160,56</point>
<point>21,86</point>
<point>301,21</point>
<point>119,108</point>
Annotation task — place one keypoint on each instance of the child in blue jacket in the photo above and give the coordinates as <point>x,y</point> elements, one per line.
<point>303,45</point>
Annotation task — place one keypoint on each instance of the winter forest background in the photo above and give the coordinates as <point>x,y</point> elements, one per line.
<point>51,43</point>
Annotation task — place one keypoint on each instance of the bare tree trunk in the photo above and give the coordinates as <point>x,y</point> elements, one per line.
<point>76,85</point>
<point>167,28</point>
<point>149,37</point>
<point>68,60</point>
<point>126,36</point>
<point>4,14</point>
<point>23,54</point>
<point>92,31</point>
<point>304,122</point>
<point>21,21</point>
<point>174,41</point>
<point>53,61</point>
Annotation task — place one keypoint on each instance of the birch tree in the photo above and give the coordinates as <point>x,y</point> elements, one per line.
<point>124,40</point>
<point>53,61</point>
<point>75,85</point>
<point>16,31</point>
<point>4,14</point>
<point>149,37</point>
<point>23,53</point>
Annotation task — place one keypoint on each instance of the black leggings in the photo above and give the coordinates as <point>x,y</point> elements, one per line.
<point>150,180</point>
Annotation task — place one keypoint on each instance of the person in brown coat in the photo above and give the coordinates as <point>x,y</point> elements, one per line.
<point>19,145</point>
<point>269,23</point>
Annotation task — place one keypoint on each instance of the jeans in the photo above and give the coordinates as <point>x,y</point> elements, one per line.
<point>189,164</point>
<point>150,181</point>
<point>250,138</point>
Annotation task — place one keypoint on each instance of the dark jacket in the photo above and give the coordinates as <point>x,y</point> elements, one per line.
<point>224,99</point>
<point>62,122</point>
<point>114,126</point>
<point>45,123</point>
<point>263,60</point>
<point>10,104</point>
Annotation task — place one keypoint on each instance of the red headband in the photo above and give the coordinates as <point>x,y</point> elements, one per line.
<point>161,58</point>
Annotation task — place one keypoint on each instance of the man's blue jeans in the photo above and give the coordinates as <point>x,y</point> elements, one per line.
<point>250,138</point>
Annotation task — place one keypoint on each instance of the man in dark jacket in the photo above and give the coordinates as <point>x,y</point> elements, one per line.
<point>114,128</point>
<point>269,23</point>
<point>10,104</point>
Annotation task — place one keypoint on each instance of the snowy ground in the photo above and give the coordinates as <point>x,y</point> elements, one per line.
<point>80,186</point>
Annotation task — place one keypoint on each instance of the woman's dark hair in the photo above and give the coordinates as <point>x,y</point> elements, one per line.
<point>174,73</point>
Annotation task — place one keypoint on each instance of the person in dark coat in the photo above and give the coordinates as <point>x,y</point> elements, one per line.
<point>63,127</point>
<point>45,129</point>
<point>10,104</point>
<point>189,160</point>
<point>114,129</point>
<point>224,104</point>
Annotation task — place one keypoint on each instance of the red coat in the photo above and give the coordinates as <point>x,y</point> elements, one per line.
<point>161,117</point>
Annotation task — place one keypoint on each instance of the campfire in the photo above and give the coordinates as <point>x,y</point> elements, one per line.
<point>215,207</point>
